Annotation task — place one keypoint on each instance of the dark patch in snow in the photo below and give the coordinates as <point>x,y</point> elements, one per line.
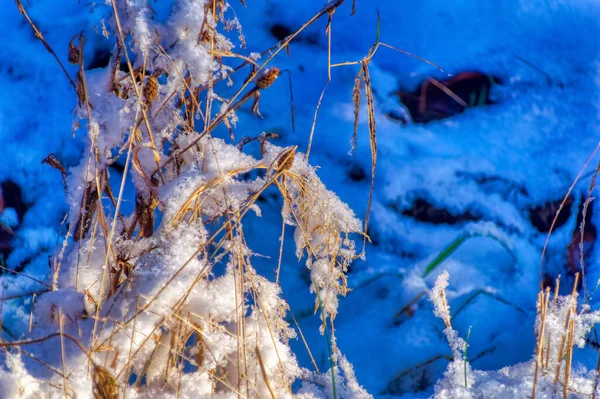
<point>416,379</point>
<point>423,211</point>
<point>495,184</point>
<point>10,197</point>
<point>541,216</point>
<point>100,59</point>
<point>434,100</point>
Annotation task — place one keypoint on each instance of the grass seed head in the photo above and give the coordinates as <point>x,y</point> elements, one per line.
<point>267,77</point>
<point>74,55</point>
<point>105,386</point>
<point>151,89</point>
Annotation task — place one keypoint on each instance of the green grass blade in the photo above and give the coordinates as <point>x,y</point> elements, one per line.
<point>446,252</point>
<point>465,355</point>
<point>456,243</point>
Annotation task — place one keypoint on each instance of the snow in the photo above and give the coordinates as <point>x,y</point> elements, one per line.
<point>495,162</point>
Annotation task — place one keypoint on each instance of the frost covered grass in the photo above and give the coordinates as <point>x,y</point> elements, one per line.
<point>164,301</point>
<point>561,326</point>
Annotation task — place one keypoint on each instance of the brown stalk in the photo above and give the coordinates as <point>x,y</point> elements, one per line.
<point>409,305</point>
<point>376,47</point>
<point>31,312</point>
<point>543,299</point>
<point>450,93</point>
<point>39,35</point>
<point>235,219</point>
<point>139,108</point>
<point>55,163</point>
<point>264,373</point>
<point>314,124</point>
<point>88,209</point>
<point>372,141</point>
<point>148,362</point>
<point>556,287</point>
<point>6,269</point>
<point>569,359</point>
<point>133,80</point>
<point>588,200</point>
<point>62,352</point>
<point>563,338</point>
<point>356,94</point>
<point>266,317</point>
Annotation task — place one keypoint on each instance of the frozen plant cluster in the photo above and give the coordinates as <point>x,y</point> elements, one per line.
<point>560,326</point>
<point>164,302</point>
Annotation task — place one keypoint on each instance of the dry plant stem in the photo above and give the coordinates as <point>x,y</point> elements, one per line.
<point>111,235</point>
<point>312,359</point>
<point>281,241</point>
<point>85,208</point>
<point>62,352</point>
<point>596,379</point>
<point>368,58</point>
<point>264,312</point>
<point>122,188</point>
<point>128,365</point>
<point>18,296</point>
<point>24,275</point>
<point>182,356</point>
<point>5,344</point>
<point>562,204</point>
<point>39,35</point>
<point>406,307</point>
<point>328,32</point>
<point>567,320</point>
<point>588,200</point>
<point>192,362</point>
<point>330,6</point>
<point>2,328</point>
<point>264,373</point>
<point>443,88</point>
<point>31,313</point>
<point>372,142</point>
<point>314,124</point>
<point>46,365</point>
<point>133,80</point>
<point>543,299</point>
<point>236,218</point>
<point>569,359</point>
<point>556,288</point>
<point>239,300</point>
<point>356,95</point>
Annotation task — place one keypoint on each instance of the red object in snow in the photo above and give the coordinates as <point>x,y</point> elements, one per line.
<point>435,99</point>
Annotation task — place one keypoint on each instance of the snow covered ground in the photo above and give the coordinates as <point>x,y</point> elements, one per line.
<point>487,167</point>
